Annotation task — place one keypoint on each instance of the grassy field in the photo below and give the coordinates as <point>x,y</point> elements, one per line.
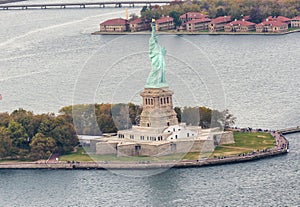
<point>244,143</point>
<point>82,156</point>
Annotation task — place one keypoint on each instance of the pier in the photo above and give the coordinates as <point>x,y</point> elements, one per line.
<point>290,130</point>
<point>102,4</point>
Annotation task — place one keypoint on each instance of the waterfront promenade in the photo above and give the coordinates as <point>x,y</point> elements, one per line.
<point>281,147</point>
<point>290,130</point>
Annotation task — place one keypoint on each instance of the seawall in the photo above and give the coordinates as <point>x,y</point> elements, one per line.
<point>281,148</point>
<point>193,33</point>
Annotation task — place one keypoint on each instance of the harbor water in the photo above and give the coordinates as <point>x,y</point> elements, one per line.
<point>49,59</point>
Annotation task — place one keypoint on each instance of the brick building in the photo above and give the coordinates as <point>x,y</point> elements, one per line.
<point>218,23</point>
<point>197,25</point>
<point>139,25</point>
<point>164,23</point>
<point>239,26</point>
<point>114,25</point>
<point>272,26</point>
<point>295,22</point>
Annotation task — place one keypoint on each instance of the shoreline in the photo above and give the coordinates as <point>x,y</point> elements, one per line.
<point>193,33</point>
<point>281,148</point>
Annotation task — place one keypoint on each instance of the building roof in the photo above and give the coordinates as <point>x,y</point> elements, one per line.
<point>272,23</point>
<point>247,17</point>
<point>117,21</point>
<point>297,18</point>
<point>194,21</point>
<point>283,19</point>
<point>279,18</point>
<point>193,15</point>
<point>223,19</point>
<point>240,22</point>
<point>136,21</point>
<point>164,19</point>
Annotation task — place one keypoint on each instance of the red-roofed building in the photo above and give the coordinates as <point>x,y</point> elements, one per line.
<point>114,25</point>
<point>164,23</point>
<point>239,26</point>
<point>281,19</point>
<point>197,25</point>
<point>295,22</point>
<point>218,23</point>
<point>139,25</point>
<point>247,18</point>
<point>190,16</point>
<point>272,26</point>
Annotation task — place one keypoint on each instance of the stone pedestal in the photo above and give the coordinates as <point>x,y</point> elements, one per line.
<point>157,108</point>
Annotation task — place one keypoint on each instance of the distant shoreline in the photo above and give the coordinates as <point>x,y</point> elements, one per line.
<point>193,33</point>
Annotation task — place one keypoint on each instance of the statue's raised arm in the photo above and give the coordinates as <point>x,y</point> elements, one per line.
<point>156,78</point>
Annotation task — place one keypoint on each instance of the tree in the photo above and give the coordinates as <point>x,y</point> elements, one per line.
<point>133,16</point>
<point>228,119</point>
<point>205,117</point>
<point>120,115</point>
<point>256,15</point>
<point>151,13</point>
<point>18,135</point>
<point>176,16</point>
<point>178,113</point>
<point>28,120</point>
<point>4,119</point>
<point>106,123</point>
<point>190,115</point>
<point>6,147</point>
<point>220,12</point>
<point>64,135</point>
<point>47,124</point>
<point>42,147</point>
<point>222,119</point>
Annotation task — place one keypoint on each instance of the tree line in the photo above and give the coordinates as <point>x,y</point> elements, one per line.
<point>95,119</point>
<point>24,135</point>
<point>237,9</point>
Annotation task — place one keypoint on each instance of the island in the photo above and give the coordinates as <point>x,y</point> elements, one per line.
<point>209,17</point>
<point>158,139</point>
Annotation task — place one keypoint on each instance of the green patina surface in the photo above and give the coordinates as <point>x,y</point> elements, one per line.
<point>156,78</point>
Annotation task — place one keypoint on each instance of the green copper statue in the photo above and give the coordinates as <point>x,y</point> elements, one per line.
<point>156,78</point>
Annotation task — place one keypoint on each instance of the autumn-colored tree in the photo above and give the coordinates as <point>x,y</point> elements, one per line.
<point>42,147</point>
<point>18,135</point>
<point>29,122</point>
<point>4,119</point>
<point>6,147</point>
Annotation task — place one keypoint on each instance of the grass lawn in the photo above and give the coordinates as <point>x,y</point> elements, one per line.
<point>78,155</point>
<point>292,29</point>
<point>244,143</point>
<point>81,156</point>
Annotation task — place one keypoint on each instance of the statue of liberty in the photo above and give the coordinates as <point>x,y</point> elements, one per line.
<point>156,78</point>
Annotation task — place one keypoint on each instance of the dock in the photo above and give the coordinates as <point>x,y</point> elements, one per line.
<point>290,130</point>
<point>102,4</point>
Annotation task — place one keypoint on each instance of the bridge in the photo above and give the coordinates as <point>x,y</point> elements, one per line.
<point>101,4</point>
<point>290,130</point>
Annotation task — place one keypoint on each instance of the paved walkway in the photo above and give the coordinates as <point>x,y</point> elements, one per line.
<point>281,147</point>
